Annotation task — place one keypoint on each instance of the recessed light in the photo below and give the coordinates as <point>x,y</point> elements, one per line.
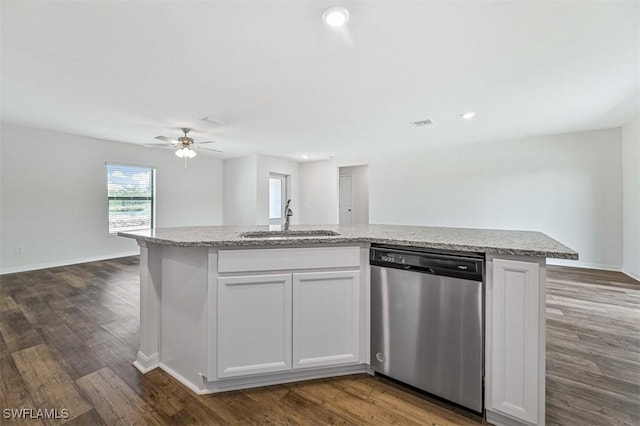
<point>422,123</point>
<point>468,115</point>
<point>335,16</point>
<point>305,156</point>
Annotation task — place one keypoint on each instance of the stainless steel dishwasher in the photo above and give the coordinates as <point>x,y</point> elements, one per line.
<point>427,327</point>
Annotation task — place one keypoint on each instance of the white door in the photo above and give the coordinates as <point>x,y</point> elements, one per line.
<point>326,318</point>
<point>346,200</point>
<point>515,374</point>
<point>254,324</point>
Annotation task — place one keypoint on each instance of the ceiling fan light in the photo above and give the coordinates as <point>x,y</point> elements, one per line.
<point>335,16</point>
<point>182,152</point>
<point>191,153</point>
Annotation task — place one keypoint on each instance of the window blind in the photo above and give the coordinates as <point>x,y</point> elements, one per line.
<point>131,191</point>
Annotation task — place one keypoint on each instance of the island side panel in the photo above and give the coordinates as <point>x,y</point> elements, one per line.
<point>184,314</point>
<point>515,340</point>
<point>365,306</point>
<point>212,317</point>
<point>148,354</point>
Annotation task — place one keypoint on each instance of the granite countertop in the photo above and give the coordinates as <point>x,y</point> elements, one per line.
<point>518,243</point>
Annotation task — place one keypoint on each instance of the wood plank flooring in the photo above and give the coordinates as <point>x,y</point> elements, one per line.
<point>593,347</point>
<point>68,337</point>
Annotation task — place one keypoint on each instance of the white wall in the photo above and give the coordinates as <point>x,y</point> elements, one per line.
<point>246,188</point>
<point>319,192</point>
<point>267,165</point>
<point>567,186</point>
<point>53,196</point>
<point>631,197</point>
<point>240,180</point>
<point>360,192</point>
<point>53,192</point>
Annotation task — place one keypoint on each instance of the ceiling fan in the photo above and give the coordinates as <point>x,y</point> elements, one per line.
<point>184,144</point>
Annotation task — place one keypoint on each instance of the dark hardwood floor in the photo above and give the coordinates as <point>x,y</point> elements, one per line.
<point>68,336</point>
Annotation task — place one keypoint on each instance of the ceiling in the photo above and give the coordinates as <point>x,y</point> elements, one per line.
<point>286,84</point>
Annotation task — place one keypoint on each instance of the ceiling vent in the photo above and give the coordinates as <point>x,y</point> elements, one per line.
<point>422,123</point>
<point>213,121</point>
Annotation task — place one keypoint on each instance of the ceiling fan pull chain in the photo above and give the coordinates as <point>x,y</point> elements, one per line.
<point>185,163</point>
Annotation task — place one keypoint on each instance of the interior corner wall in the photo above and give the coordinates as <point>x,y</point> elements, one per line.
<point>265,166</point>
<point>240,186</point>
<point>568,186</point>
<point>631,198</point>
<point>53,196</point>
<point>246,188</point>
<point>319,192</point>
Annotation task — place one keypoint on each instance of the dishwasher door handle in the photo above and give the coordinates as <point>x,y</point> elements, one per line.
<point>423,269</point>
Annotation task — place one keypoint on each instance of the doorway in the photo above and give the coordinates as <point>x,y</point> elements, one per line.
<point>353,195</point>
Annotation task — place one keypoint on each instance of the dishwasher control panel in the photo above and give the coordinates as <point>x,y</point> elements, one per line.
<point>447,264</point>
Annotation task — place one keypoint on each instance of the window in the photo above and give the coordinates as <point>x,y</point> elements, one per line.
<point>277,198</point>
<point>131,192</point>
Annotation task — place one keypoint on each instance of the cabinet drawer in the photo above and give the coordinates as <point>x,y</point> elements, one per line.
<point>276,259</point>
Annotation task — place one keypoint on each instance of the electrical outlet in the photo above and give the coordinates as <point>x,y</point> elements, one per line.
<point>19,250</point>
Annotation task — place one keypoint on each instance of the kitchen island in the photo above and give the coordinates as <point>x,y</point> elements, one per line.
<point>225,308</point>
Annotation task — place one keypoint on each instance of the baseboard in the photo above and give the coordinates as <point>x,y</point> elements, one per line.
<point>290,376</point>
<point>58,263</point>
<point>179,377</point>
<point>499,419</point>
<point>264,380</point>
<point>632,274</point>
<point>597,266</point>
<point>585,265</point>
<point>146,363</point>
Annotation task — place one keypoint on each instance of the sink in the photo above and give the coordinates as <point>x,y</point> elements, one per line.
<point>290,234</point>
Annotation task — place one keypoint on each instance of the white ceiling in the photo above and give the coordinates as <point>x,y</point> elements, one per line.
<point>288,85</point>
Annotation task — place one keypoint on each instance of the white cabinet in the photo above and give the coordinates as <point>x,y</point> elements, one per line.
<point>254,324</point>
<point>326,318</point>
<point>516,343</point>
<point>291,312</point>
<point>265,320</point>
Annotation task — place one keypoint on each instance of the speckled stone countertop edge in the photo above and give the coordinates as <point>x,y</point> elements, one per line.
<point>306,241</point>
<point>480,249</point>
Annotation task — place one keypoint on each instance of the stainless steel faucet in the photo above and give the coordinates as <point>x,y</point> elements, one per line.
<point>287,214</point>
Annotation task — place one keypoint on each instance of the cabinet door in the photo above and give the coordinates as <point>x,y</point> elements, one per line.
<point>254,324</point>
<point>516,326</point>
<point>326,318</point>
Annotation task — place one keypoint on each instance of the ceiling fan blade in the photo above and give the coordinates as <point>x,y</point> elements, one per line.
<point>208,149</point>
<point>166,139</point>
<point>161,146</point>
<point>201,143</point>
